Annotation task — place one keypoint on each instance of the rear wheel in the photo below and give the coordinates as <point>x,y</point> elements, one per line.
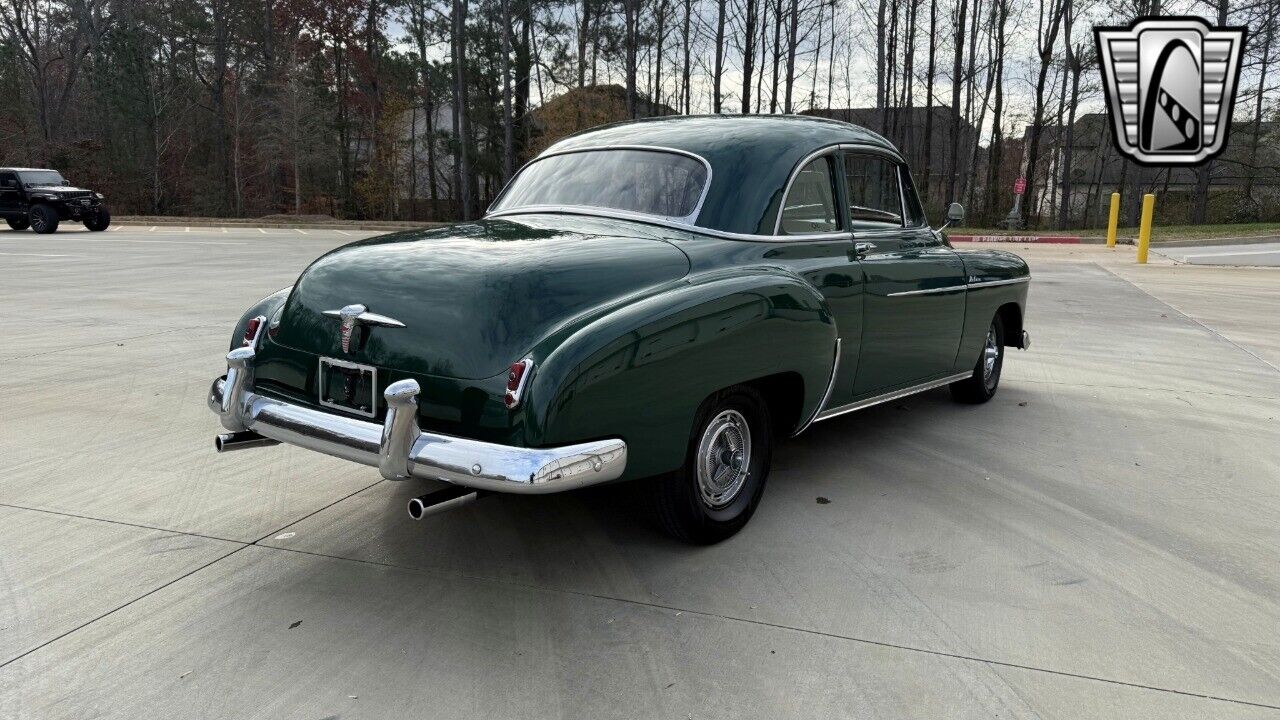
<point>716,492</point>
<point>98,221</point>
<point>44,219</point>
<point>982,385</point>
<point>19,223</point>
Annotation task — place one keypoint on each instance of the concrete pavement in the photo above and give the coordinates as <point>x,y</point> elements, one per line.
<point>1265,254</point>
<point>1102,540</point>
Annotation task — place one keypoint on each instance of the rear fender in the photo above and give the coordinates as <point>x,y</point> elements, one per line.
<point>266,307</point>
<point>641,371</point>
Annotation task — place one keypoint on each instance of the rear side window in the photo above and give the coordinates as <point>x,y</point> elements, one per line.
<point>810,205</point>
<point>875,199</point>
<point>8,180</point>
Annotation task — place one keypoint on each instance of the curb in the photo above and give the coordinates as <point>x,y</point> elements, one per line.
<point>1042,239</point>
<point>212,223</point>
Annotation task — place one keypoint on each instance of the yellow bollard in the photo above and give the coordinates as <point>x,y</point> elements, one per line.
<point>1114,222</point>
<point>1144,231</point>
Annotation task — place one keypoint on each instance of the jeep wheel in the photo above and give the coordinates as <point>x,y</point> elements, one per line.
<point>18,223</point>
<point>715,493</point>
<point>98,221</point>
<point>44,219</point>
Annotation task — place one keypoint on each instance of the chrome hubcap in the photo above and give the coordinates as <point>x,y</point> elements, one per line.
<point>990,354</point>
<point>724,456</point>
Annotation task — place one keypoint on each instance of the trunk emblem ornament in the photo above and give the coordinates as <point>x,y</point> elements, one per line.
<point>352,315</point>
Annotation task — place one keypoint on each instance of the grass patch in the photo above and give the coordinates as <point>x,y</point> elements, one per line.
<point>1159,233</point>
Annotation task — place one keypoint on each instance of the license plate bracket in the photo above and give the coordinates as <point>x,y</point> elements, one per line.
<point>349,387</point>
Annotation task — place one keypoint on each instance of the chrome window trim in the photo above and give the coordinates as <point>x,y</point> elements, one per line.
<point>791,179</point>
<point>660,222</point>
<point>893,395</point>
<point>687,224</point>
<point>685,219</point>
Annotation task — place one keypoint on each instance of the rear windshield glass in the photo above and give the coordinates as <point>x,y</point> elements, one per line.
<point>651,182</point>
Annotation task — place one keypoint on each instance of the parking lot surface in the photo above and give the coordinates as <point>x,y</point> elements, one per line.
<point>1254,253</point>
<point>1102,540</point>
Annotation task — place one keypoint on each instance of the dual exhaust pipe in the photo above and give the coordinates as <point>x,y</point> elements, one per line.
<point>435,502</point>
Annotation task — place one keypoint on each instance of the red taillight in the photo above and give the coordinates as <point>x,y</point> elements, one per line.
<point>516,379</point>
<point>251,330</point>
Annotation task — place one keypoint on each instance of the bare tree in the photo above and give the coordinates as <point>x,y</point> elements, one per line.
<point>1049,24</point>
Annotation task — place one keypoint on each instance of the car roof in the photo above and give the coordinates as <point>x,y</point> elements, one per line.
<point>752,157</point>
<point>19,169</point>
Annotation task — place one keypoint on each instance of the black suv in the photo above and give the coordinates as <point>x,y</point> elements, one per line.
<point>39,199</point>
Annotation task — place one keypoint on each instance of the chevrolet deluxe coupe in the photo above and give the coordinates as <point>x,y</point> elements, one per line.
<point>663,299</point>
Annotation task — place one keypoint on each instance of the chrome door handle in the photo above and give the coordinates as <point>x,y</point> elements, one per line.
<point>860,249</point>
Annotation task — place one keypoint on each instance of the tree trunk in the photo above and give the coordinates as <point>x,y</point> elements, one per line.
<point>1263,69</point>
<point>508,130</point>
<point>777,55</point>
<point>718,67</point>
<point>793,39</point>
<point>957,66</point>
<point>631,9</point>
<point>930,75</point>
<point>1047,36</point>
<point>686,74</point>
<point>748,51</point>
<point>461,113</point>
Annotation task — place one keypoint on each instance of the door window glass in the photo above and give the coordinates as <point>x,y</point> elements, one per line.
<point>8,181</point>
<point>915,212</point>
<point>875,200</point>
<point>810,205</point>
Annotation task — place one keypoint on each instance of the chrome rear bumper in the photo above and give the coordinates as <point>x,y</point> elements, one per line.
<point>399,449</point>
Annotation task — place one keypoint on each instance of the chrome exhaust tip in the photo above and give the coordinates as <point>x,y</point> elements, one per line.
<point>242,440</point>
<point>454,496</point>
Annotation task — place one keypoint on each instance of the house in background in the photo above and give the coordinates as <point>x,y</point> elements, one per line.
<point>1240,188</point>
<point>906,128</point>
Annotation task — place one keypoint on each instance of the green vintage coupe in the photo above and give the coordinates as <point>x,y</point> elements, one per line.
<point>662,299</point>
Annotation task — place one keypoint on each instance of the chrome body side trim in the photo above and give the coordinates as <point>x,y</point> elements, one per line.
<point>399,449</point>
<point>994,283</point>
<point>826,396</point>
<point>894,395</point>
<point>930,291</point>
<point>966,286</point>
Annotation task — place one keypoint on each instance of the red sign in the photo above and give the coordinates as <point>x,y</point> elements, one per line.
<point>1019,186</point>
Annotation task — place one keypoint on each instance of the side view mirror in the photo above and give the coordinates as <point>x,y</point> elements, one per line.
<point>955,214</point>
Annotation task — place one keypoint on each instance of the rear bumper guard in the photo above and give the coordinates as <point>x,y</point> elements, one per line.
<point>399,449</point>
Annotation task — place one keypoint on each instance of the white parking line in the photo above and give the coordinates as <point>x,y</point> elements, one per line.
<point>147,242</point>
<point>1273,251</point>
<point>344,232</point>
<point>304,232</point>
<point>153,229</point>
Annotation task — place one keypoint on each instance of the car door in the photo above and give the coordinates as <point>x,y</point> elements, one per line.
<point>10,196</point>
<point>914,285</point>
<point>817,245</point>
